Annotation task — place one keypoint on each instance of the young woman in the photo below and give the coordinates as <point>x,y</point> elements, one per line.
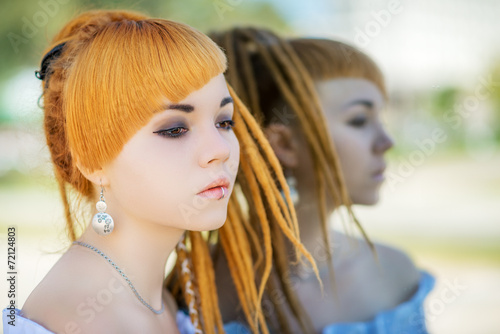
<point>320,103</point>
<point>139,122</point>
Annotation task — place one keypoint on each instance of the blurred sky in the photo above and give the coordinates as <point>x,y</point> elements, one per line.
<point>421,44</point>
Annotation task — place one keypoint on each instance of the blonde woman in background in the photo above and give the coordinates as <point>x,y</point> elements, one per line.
<point>320,102</point>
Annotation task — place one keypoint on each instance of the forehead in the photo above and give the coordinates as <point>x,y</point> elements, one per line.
<point>340,91</point>
<point>213,90</point>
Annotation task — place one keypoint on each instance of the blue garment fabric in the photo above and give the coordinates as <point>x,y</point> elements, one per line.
<point>26,326</point>
<point>406,318</point>
<point>186,327</point>
<point>18,324</point>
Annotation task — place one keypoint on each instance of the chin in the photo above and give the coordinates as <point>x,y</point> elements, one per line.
<point>210,221</point>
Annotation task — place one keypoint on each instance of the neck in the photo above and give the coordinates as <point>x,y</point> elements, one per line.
<point>141,250</point>
<point>311,232</point>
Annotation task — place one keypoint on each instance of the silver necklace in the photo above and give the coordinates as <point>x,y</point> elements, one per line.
<point>123,275</point>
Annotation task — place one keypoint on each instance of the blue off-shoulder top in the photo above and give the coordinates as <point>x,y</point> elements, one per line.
<point>406,318</point>
<point>22,325</point>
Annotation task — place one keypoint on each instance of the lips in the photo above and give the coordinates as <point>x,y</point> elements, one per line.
<point>214,193</point>
<point>216,189</point>
<point>378,175</point>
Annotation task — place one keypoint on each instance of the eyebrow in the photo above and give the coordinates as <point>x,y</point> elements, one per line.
<point>366,103</point>
<point>225,101</point>
<point>181,107</point>
<point>189,108</point>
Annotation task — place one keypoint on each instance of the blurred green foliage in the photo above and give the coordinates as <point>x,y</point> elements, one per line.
<point>443,99</point>
<point>27,26</point>
<point>459,110</point>
<point>495,98</point>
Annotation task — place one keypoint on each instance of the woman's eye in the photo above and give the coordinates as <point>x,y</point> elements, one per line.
<point>172,133</point>
<point>226,125</point>
<point>358,122</point>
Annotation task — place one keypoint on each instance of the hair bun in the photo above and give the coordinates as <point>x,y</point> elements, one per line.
<point>86,25</point>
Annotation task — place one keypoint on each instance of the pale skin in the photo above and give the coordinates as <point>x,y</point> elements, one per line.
<point>154,190</point>
<point>365,286</point>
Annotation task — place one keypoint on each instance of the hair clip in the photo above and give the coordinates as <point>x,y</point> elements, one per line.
<point>54,53</point>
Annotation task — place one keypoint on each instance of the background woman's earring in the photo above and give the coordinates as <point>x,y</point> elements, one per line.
<point>292,185</point>
<point>102,223</point>
<point>294,194</point>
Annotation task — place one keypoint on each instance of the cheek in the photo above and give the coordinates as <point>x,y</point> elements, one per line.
<point>160,167</point>
<point>352,145</point>
<point>234,159</point>
<point>151,182</point>
<point>353,150</point>
<point>159,183</point>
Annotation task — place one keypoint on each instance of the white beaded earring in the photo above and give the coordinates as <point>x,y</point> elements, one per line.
<point>102,223</point>
<point>292,185</point>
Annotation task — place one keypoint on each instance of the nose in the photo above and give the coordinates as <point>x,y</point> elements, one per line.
<point>383,142</point>
<point>214,147</point>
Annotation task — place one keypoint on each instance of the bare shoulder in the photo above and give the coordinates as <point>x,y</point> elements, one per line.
<point>396,261</point>
<point>373,282</point>
<point>393,276</point>
<point>398,270</point>
<point>78,295</point>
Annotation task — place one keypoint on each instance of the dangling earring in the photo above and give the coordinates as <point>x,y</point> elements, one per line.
<point>292,185</point>
<point>102,223</point>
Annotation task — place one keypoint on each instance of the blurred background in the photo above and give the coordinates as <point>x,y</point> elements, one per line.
<point>441,200</point>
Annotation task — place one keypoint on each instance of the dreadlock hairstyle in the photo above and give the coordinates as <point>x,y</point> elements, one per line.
<point>267,72</point>
<point>107,72</point>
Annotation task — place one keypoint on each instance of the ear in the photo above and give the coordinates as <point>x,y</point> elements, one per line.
<point>283,143</point>
<point>97,176</point>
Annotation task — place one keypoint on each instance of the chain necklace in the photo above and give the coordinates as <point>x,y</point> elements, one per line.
<point>123,275</point>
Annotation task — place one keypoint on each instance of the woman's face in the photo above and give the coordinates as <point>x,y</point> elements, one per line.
<point>352,108</point>
<point>163,172</point>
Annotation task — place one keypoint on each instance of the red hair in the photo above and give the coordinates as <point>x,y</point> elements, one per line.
<point>115,70</point>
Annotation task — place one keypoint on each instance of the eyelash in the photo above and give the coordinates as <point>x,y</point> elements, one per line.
<point>174,132</point>
<point>229,124</point>
<point>169,133</point>
<point>358,122</point>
